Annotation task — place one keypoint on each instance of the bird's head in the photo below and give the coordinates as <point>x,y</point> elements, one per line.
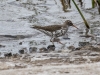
<point>69,23</point>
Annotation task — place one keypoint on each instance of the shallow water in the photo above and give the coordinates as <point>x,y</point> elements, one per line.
<point>43,13</point>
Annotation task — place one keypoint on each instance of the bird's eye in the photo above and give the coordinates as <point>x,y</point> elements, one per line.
<point>70,23</point>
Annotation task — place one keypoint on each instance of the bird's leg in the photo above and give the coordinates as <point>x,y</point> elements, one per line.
<point>51,39</point>
<point>55,39</point>
<point>60,42</point>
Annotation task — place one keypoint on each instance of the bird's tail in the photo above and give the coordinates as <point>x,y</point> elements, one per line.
<point>37,27</point>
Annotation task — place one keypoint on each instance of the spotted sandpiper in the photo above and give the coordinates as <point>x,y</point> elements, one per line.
<point>54,28</point>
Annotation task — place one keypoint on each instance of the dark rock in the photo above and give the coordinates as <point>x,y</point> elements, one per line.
<point>32,49</point>
<point>2,46</point>
<point>78,48</point>
<point>51,48</point>
<point>8,55</point>
<point>21,51</point>
<point>43,49</point>
<point>81,44</point>
<point>20,43</point>
<point>71,48</point>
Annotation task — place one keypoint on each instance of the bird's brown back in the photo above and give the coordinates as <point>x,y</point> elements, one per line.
<point>50,28</point>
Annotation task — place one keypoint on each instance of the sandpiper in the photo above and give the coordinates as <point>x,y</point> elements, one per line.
<point>54,28</point>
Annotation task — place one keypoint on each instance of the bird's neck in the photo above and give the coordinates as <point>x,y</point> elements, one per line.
<point>65,25</point>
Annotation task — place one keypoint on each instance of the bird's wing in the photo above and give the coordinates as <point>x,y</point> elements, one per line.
<point>36,27</point>
<point>45,32</point>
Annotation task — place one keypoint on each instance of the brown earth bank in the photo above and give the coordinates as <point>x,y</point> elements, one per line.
<point>78,62</point>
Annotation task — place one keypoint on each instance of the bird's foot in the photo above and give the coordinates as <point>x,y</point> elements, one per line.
<point>63,46</point>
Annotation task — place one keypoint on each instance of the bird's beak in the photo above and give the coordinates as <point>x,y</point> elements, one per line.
<point>75,26</point>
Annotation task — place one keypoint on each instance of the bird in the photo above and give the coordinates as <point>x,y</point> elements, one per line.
<point>55,28</point>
